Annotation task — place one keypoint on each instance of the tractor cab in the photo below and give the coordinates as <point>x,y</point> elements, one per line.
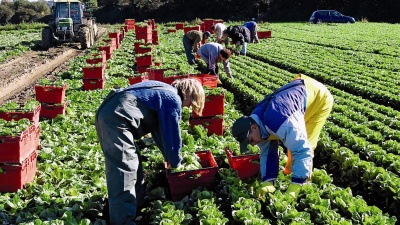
<point>69,24</point>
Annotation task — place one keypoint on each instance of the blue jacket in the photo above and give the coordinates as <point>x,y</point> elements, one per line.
<point>287,108</point>
<point>250,25</point>
<point>161,107</point>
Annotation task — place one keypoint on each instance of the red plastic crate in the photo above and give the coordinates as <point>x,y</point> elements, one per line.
<point>107,48</point>
<point>115,35</point>
<point>14,149</point>
<point>144,60</point>
<point>93,84</point>
<point>50,111</point>
<point>171,79</point>
<point>129,21</point>
<point>50,94</point>
<point>187,29</point>
<point>19,114</point>
<point>141,50</point>
<point>16,176</point>
<point>156,74</point>
<point>171,30</point>
<point>214,105</point>
<point>142,29</point>
<point>137,79</point>
<point>214,125</point>
<point>207,80</point>
<point>264,34</point>
<point>94,72</point>
<point>182,183</point>
<point>179,26</point>
<point>112,42</point>
<point>97,58</point>
<point>246,165</point>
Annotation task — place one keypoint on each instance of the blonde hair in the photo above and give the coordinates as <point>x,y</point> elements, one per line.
<point>192,87</point>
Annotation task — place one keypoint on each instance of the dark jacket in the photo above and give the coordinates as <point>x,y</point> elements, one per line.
<point>239,33</point>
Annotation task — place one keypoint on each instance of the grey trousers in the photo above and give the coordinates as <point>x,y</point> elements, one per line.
<point>188,45</point>
<point>115,119</point>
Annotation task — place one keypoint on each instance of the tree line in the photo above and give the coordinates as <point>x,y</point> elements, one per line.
<point>183,10</point>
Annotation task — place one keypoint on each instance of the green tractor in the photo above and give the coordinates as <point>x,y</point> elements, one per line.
<point>70,23</point>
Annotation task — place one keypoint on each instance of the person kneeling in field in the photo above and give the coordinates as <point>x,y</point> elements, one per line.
<point>126,115</point>
<point>294,115</point>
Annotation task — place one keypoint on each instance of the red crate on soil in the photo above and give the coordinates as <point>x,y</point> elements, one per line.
<point>246,165</point>
<point>137,79</point>
<point>264,34</point>
<point>156,74</point>
<point>145,60</point>
<point>93,84</point>
<point>214,125</point>
<point>187,29</point>
<point>50,94</point>
<point>94,72</point>
<point>16,176</point>
<point>14,149</point>
<point>214,105</point>
<point>179,26</point>
<point>19,114</point>
<point>129,21</point>
<point>50,111</point>
<point>171,79</point>
<point>182,183</point>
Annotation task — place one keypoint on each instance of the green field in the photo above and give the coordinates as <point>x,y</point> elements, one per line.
<point>357,161</point>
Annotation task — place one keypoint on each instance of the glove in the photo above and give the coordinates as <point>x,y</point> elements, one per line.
<point>266,187</point>
<point>293,190</point>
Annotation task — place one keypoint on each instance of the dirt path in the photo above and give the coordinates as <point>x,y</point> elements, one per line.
<point>19,75</point>
<point>22,72</point>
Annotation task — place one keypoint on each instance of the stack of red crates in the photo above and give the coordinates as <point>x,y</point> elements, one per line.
<point>93,76</point>
<point>116,36</point>
<point>52,100</point>
<point>18,154</point>
<point>212,117</point>
<point>144,32</point>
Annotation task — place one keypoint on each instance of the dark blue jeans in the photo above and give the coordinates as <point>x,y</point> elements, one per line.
<point>188,44</point>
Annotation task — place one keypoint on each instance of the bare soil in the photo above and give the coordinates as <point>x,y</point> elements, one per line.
<point>19,75</point>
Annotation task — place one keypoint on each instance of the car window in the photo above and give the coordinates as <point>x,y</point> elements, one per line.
<point>323,13</point>
<point>336,14</point>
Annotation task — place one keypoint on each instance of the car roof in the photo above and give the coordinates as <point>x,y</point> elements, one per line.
<point>325,10</point>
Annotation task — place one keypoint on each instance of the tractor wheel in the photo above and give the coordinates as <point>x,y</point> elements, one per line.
<point>84,37</point>
<point>46,38</point>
